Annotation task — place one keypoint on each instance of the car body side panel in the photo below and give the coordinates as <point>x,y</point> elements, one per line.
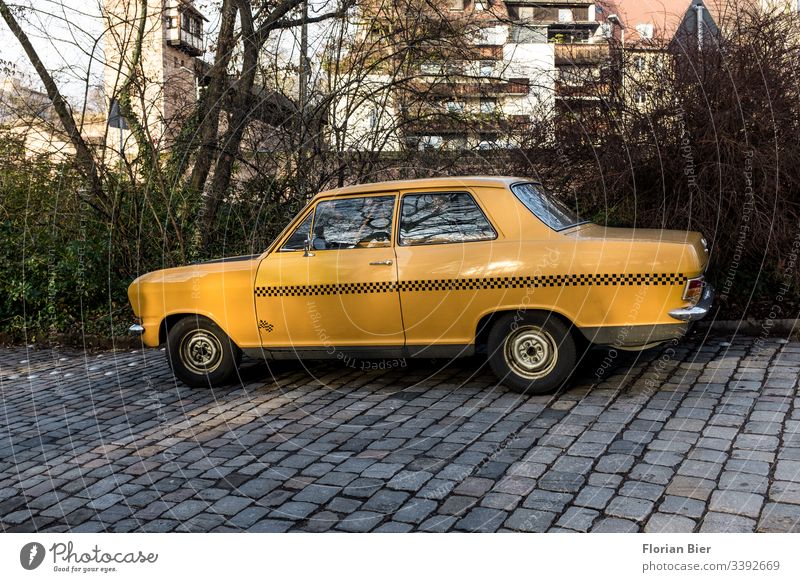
<point>447,289</point>
<point>334,298</point>
<point>221,291</point>
<point>632,278</point>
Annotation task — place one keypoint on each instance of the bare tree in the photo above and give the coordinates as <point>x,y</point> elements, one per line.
<point>84,156</point>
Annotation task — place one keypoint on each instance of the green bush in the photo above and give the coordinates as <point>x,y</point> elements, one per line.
<point>65,266</point>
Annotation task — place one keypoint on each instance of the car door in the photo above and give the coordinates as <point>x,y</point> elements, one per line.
<point>342,292</point>
<point>446,248</point>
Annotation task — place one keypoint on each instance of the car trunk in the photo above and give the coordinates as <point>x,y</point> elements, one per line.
<point>649,235</point>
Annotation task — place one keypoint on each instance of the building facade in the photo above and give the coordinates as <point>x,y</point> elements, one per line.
<point>164,86</point>
<point>521,63</point>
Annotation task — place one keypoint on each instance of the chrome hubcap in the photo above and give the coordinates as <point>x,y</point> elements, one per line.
<point>531,352</point>
<point>201,351</point>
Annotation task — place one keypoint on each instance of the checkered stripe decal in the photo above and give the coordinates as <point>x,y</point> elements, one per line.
<point>265,325</point>
<point>544,281</point>
<point>331,289</point>
<point>583,280</point>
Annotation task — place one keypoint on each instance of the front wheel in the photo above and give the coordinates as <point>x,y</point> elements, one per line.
<point>532,353</point>
<point>200,353</point>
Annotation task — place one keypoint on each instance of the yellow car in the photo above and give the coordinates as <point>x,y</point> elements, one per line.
<point>435,268</point>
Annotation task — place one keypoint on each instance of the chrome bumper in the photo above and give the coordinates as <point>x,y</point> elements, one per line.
<point>698,311</point>
<point>136,329</point>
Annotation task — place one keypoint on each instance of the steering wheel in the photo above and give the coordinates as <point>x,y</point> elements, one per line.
<point>377,236</point>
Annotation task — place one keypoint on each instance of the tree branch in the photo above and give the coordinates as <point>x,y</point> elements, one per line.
<point>86,161</point>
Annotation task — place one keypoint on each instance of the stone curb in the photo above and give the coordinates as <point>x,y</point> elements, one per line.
<point>753,327</point>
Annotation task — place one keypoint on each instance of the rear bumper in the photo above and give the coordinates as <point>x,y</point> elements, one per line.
<point>136,330</point>
<point>634,336</point>
<point>698,311</point>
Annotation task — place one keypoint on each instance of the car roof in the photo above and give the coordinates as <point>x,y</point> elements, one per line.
<point>448,182</point>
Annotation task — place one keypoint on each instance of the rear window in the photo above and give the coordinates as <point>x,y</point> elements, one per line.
<point>546,207</point>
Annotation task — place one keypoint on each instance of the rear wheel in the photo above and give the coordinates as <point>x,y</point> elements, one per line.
<point>532,353</point>
<point>200,353</point>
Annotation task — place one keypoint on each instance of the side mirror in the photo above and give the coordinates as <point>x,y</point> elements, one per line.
<point>308,247</point>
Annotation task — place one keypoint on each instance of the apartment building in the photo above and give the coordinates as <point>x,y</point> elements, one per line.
<point>522,63</point>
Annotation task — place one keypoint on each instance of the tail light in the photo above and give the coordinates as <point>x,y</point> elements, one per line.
<point>694,289</point>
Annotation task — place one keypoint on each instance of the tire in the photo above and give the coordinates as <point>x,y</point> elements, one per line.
<point>200,353</point>
<point>533,353</point>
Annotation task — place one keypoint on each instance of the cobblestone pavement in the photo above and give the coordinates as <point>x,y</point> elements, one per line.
<point>701,436</point>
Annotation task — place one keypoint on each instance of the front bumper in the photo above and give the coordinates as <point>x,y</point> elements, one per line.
<point>698,311</point>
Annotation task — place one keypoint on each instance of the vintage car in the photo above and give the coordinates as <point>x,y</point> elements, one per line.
<point>435,268</point>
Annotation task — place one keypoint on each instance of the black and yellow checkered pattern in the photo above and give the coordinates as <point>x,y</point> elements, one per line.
<point>474,284</point>
<point>265,325</point>
<point>328,289</point>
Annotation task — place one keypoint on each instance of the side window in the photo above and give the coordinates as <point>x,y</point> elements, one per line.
<point>352,223</point>
<point>442,218</point>
<point>297,241</point>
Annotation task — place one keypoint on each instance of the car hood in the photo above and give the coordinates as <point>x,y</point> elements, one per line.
<point>192,284</point>
<point>229,259</point>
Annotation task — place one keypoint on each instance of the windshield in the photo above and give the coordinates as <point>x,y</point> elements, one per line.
<point>546,207</point>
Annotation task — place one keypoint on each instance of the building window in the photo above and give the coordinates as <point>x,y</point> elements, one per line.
<point>565,15</point>
<point>480,5</point>
<point>638,63</point>
<point>525,34</point>
<point>575,76</point>
<point>456,142</point>
<point>454,68</point>
<point>433,68</point>
<point>640,97</point>
<point>457,4</point>
<point>645,30</point>
<point>454,106</point>
<point>488,105</point>
<point>191,24</point>
<point>430,142</point>
<point>486,69</point>
<point>488,141</point>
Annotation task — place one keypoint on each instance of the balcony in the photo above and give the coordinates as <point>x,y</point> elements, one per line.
<point>588,91</point>
<point>477,88</point>
<point>581,54</point>
<point>469,123</point>
<point>184,27</point>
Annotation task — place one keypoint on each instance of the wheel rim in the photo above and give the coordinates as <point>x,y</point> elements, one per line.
<point>201,351</point>
<point>531,352</point>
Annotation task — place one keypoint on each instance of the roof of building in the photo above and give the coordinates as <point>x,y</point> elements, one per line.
<point>189,6</point>
<point>666,16</point>
<point>448,182</point>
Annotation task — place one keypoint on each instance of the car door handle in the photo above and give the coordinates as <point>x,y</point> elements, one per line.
<point>387,263</point>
